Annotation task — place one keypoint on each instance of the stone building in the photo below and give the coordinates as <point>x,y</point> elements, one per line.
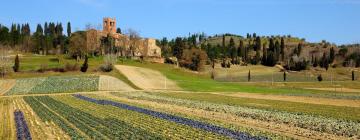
<point>123,44</point>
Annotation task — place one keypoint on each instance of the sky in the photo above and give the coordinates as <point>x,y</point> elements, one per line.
<point>337,21</point>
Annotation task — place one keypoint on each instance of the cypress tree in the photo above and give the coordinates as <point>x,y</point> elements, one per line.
<point>68,29</point>
<point>249,76</point>
<point>17,64</point>
<point>284,76</point>
<point>320,78</point>
<point>353,75</point>
<point>85,66</point>
<point>282,46</point>
<point>332,55</point>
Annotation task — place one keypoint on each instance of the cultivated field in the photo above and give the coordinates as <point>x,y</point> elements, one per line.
<point>133,103</point>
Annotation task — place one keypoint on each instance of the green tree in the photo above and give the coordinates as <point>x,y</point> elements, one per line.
<point>320,78</point>
<point>4,35</point>
<point>240,48</point>
<point>68,29</point>
<point>85,66</point>
<point>282,46</point>
<point>332,55</point>
<point>179,47</point>
<point>118,30</point>
<point>15,35</point>
<point>257,45</point>
<point>264,57</point>
<point>353,75</point>
<point>17,64</point>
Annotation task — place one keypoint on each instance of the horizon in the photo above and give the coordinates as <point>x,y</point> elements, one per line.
<point>335,21</point>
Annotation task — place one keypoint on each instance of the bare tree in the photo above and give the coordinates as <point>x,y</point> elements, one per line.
<point>92,39</point>
<point>134,37</point>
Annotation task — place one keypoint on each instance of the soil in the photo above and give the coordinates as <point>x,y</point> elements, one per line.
<point>146,78</point>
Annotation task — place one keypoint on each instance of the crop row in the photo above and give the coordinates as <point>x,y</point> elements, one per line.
<point>47,115</point>
<point>55,84</point>
<point>317,123</point>
<point>22,129</point>
<point>93,127</point>
<point>167,129</point>
<point>173,118</point>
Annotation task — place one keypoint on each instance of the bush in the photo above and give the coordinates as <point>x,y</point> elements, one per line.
<point>85,66</point>
<point>43,68</point>
<point>16,65</point>
<point>106,67</point>
<point>71,67</point>
<point>320,78</point>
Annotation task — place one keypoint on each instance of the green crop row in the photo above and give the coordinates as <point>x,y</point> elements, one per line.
<point>167,129</point>
<point>322,124</point>
<point>54,84</point>
<point>92,127</point>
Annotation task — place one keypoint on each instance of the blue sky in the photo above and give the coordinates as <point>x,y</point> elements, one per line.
<point>337,21</point>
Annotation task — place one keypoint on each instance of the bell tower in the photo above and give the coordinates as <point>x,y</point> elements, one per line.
<point>109,25</point>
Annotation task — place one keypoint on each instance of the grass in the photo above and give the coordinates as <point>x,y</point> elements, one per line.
<point>193,81</point>
<point>29,64</point>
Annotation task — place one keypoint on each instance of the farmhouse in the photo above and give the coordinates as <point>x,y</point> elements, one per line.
<point>125,45</point>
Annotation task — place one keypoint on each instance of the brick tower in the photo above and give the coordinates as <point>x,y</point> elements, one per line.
<point>109,25</point>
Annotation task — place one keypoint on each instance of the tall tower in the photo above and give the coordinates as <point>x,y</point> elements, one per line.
<point>109,25</point>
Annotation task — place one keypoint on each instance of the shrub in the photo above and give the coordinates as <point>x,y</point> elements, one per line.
<point>109,61</point>
<point>43,68</point>
<point>71,67</point>
<point>85,66</point>
<point>353,75</point>
<point>17,64</point>
<point>320,78</point>
<point>106,67</point>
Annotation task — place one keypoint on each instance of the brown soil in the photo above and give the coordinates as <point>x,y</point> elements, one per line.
<point>299,99</point>
<point>337,89</point>
<point>6,85</point>
<point>146,78</point>
<point>108,83</point>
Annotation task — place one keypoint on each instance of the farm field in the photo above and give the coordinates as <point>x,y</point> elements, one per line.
<point>105,106</point>
<point>87,116</point>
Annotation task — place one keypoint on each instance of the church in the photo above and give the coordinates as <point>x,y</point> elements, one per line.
<point>124,45</point>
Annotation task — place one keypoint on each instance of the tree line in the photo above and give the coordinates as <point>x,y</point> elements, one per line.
<point>252,49</point>
<point>47,37</point>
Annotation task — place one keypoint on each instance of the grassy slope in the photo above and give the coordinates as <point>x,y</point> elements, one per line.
<point>202,82</point>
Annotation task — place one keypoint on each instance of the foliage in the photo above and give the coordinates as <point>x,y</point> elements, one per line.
<point>55,84</point>
<point>193,59</point>
<point>93,127</point>
<point>17,64</point>
<point>319,78</point>
<point>177,119</point>
<point>85,66</point>
<point>77,44</point>
<point>109,62</point>
<point>237,106</point>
